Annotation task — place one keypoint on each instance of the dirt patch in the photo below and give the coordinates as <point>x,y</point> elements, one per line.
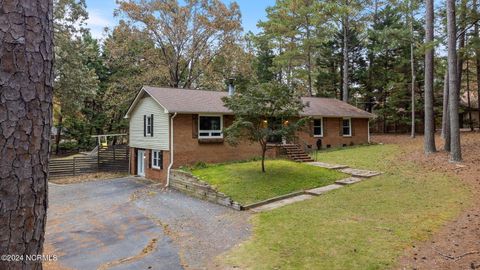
<point>457,244</point>
<point>87,178</point>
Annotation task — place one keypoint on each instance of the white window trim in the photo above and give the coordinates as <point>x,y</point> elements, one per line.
<point>148,128</point>
<point>349,129</point>
<point>158,166</point>
<point>321,131</point>
<point>210,131</point>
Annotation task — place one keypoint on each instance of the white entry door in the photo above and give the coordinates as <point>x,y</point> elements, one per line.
<point>141,163</point>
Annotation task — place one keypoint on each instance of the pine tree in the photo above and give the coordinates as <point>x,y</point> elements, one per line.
<point>26,80</point>
<point>455,151</point>
<point>429,136</point>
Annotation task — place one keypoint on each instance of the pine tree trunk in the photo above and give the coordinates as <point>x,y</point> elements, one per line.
<point>461,43</point>
<point>477,56</point>
<point>446,115</point>
<point>25,118</point>
<point>429,136</point>
<point>371,60</point>
<point>345,56</point>
<point>455,151</point>
<point>412,67</point>
<point>309,61</point>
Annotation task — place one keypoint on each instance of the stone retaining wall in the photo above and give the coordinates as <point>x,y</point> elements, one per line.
<point>190,185</point>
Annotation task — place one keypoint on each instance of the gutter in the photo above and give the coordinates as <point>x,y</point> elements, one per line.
<point>171,151</point>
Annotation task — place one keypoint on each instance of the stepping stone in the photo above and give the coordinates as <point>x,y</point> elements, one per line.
<point>321,190</point>
<point>348,181</point>
<point>328,165</point>
<point>360,173</point>
<point>278,204</point>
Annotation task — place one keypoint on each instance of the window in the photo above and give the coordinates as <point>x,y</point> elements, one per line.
<point>148,125</point>
<point>347,127</point>
<point>210,127</point>
<point>318,127</point>
<point>157,159</point>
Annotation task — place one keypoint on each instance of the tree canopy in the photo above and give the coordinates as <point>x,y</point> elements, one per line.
<point>263,112</point>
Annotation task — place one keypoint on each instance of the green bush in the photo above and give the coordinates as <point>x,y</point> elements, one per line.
<point>199,165</point>
<point>68,146</point>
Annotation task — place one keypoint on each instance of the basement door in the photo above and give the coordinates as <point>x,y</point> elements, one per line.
<point>141,163</point>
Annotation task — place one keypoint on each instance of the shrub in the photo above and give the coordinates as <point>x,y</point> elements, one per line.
<point>199,165</point>
<point>71,145</point>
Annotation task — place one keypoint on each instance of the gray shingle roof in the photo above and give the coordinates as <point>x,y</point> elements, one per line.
<point>202,101</point>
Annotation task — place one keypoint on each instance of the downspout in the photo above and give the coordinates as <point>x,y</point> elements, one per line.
<point>171,151</point>
<point>368,130</point>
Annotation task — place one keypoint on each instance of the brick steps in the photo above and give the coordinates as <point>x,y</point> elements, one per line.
<point>295,153</point>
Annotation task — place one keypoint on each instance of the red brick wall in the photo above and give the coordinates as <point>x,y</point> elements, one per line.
<point>150,173</point>
<point>331,133</point>
<point>188,150</point>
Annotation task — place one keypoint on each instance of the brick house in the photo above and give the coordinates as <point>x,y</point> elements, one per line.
<point>170,128</point>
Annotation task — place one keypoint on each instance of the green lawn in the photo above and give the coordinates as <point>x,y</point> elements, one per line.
<point>245,183</point>
<point>363,226</point>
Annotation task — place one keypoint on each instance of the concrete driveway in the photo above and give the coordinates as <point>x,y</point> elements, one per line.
<point>130,223</point>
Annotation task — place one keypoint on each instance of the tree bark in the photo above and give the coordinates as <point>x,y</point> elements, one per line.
<point>309,60</point>
<point>429,136</point>
<point>264,150</point>
<point>446,115</point>
<point>461,43</point>
<point>455,151</point>
<point>26,77</point>
<point>371,61</point>
<point>345,55</point>
<point>477,57</point>
<point>412,67</point>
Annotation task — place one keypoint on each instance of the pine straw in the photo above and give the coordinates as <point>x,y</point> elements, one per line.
<point>87,178</point>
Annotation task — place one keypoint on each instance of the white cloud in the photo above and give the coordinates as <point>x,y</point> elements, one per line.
<point>97,22</point>
<point>97,19</point>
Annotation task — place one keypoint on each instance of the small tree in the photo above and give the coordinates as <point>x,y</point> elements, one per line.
<point>264,111</point>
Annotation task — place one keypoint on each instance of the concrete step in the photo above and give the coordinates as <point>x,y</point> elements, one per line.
<point>328,165</point>
<point>322,190</point>
<point>349,181</point>
<point>278,204</point>
<point>360,173</point>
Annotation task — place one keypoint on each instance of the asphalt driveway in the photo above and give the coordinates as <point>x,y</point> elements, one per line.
<point>130,223</point>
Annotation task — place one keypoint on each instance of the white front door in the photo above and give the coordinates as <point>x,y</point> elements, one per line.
<point>141,163</point>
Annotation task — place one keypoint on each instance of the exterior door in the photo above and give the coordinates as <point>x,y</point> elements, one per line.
<point>141,163</point>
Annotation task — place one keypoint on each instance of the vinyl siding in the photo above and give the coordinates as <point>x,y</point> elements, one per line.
<point>159,141</point>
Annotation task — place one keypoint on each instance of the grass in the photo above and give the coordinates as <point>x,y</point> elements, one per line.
<point>245,183</point>
<point>364,226</point>
<point>374,157</point>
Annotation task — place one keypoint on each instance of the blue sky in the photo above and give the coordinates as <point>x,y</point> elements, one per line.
<point>101,14</point>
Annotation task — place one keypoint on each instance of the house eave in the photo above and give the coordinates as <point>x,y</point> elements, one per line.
<point>137,98</point>
<point>338,116</point>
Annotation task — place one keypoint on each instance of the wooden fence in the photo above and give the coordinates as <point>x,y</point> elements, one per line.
<point>111,159</point>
